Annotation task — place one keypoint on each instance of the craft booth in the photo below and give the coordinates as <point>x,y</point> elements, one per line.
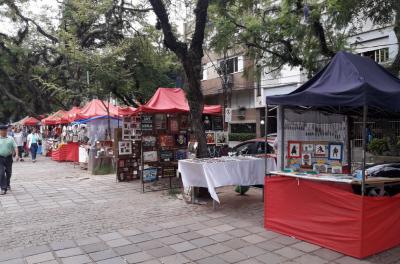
<point>312,197</point>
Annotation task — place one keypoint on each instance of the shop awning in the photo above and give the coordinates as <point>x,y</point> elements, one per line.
<point>58,118</point>
<point>96,108</point>
<point>173,100</point>
<point>71,114</point>
<point>348,80</point>
<point>126,111</point>
<point>30,121</point>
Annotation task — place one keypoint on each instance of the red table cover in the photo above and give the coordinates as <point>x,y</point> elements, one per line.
<point>66,152</point>
<point>330,215</point>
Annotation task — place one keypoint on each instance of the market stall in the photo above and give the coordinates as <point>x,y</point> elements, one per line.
<point>158,135</point>
<point>312,196</point>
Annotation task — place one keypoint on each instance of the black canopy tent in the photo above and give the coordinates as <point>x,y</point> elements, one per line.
<point>348,82</point>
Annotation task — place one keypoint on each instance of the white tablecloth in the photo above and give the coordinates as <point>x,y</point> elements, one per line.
<point>214,173</point>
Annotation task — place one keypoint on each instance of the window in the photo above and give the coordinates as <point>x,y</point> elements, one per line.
<point>245,148</point>
<point>379,55</point>
<point>232,65</point>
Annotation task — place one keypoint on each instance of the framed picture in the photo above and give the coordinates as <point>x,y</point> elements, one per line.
<point>337,169</point>
<point>207,122</point>
<point>210,137</point>
<point>181,139</point>
<point>124,148</point>
<point>320,168</point>
<point>147,122</point>
<point>306,160</point>
<point>308,148</point>
<point>217,123</point>
<point>320,150</point>
<point>173,125</point>
<point>149,141</point>
<point>150,156</point>
<point>166,155</point>
<point>160,121</point>
<point>180,154</point>
<point>221,138</point>
<point>294,149</point>
<point>335,151</point>
<point>184,121</point>
<point>169,171</point>
<point>149,174</point>
<point>167,141</point>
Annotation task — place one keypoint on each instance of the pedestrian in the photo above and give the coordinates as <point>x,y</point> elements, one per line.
<point>19,138</point>
<point>8,148</point>
<point>33,143</point>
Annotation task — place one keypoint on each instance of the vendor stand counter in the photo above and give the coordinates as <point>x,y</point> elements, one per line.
<point>322,209</point>
<point>225,171</point>
<point>66,152</point>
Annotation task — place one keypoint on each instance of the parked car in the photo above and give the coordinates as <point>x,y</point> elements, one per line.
<point>254,147</point>
<point>389,170</point>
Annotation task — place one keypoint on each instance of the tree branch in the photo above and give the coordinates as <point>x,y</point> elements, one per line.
<point>170,39</point>
<point>196,45</point>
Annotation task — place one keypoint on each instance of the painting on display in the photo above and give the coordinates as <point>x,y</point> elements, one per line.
<point>321,168</point>
<point>294,149</point>
<point>167,141</point>
<point>160,121</point>
<point>173,125</point>
<point>221,138</point>
<point>320,150</point>
<point>149,174</point>
<point>149,141</point>
<point>124,148</point>
<point>181,139</point>
<point>169,171</point>
<point>306,161</point>
<point>180,154</point>
<point>210,137</point>
<point>184,121</point>
<point>207,122</point>
<point>335,151</point>
<point>150,156</point>
<point>217,123</point>
<point>308,148</point>
<point>147,122</point>
<point>166,155</point>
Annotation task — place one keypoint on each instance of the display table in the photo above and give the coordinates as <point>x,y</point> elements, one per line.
<point>66,152</point>
<point>327,213</point>
<point>225,171</point>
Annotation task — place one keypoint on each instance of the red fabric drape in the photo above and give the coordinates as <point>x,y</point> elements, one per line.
<point>332,216</point>
<point>66,152</point>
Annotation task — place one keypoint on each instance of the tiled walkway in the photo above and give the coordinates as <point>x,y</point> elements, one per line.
<point>59,214</point>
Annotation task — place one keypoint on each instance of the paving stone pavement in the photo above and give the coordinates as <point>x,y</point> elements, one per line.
<point>56,213</point>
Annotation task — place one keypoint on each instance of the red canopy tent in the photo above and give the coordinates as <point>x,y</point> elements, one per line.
<point>96,108</point>
<point>58,118</point>
<point>31,121</point>
<point>173,100</point>
<point>126,111</point>
<point>71,114</point>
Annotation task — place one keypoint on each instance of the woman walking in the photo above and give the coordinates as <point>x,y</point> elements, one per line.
<point>33,143</point>
<point>19,140</point>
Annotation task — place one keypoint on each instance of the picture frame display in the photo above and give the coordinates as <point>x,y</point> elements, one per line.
<point>167,140</point>
<point>221,138</point>
<point>147,122</point>
<point>168,171</point>
<point>149,174</point>
<point>207,122</point>
<point>184,121</point>
<point>320,150</point>
<point>181,139</point>
<point>217,123</point>
<point>308,148</point>
<point>124,147</point>
<point>180,154</point>
<point>173,125</point>
<point>150,156</point>
<point>160,121</point>
<point>306,160</point>
<point>294,149</point>
<point>166,155</point>
<point>320,168</point>
<point>210,137</point>
<point>335,151</point>
<point>149,141</point>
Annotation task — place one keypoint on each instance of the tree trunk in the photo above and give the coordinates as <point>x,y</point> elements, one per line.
<point>195,99</point>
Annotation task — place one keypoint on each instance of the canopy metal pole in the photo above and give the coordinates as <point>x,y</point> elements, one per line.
<point>266,138</point>
<point>281,140</point>
<point>364,146</point>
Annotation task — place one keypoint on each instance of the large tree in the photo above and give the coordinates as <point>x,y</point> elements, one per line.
<point>190,56</point>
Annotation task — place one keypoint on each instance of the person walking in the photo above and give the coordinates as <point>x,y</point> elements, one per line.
<point>19,138</point>
<point>33,143</point>
<point>8,147</point>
